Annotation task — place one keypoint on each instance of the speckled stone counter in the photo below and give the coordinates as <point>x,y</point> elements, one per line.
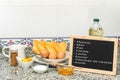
<point>8,72</point>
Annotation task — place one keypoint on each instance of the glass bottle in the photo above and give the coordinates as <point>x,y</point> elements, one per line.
<point>96,29</point>
<point>13,55</point>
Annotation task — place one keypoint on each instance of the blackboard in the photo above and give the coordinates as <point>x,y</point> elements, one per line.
<point>94,54</point>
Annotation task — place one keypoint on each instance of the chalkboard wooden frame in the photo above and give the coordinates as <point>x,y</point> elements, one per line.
<point>115,48</point>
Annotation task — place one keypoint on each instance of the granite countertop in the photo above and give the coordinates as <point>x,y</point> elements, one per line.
<point>8,72</point>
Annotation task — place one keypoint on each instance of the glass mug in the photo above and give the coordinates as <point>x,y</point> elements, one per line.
<point>20,50</point>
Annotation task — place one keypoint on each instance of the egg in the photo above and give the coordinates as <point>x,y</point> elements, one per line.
<point>44,53</point>
<point>27,59</point>
<point>61,55</point>
<point>52,56</point>
<point>30,58</point>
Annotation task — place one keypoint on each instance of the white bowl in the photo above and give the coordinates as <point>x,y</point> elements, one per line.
<point>40,68</point>
<point>24,65</point>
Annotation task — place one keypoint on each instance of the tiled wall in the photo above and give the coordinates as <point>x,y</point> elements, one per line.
<point>29,40</point>
<point>29,18</point>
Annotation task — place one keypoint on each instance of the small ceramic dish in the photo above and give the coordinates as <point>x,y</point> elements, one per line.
<point>24,64</point>
<point>40,68</point>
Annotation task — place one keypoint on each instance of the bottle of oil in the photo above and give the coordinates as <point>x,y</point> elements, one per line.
<point>96,29</point>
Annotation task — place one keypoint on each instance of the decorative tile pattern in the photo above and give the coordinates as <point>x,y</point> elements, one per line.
<point>29,40</point>
<point>10,41</point>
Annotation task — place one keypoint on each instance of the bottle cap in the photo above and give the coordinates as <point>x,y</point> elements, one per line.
<point>96,20</point>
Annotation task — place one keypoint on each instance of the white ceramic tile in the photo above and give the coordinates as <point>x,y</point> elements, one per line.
<point>42,21</point>
<point>41,18</point>
<point>72,20</point>
<point>13,21</point>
